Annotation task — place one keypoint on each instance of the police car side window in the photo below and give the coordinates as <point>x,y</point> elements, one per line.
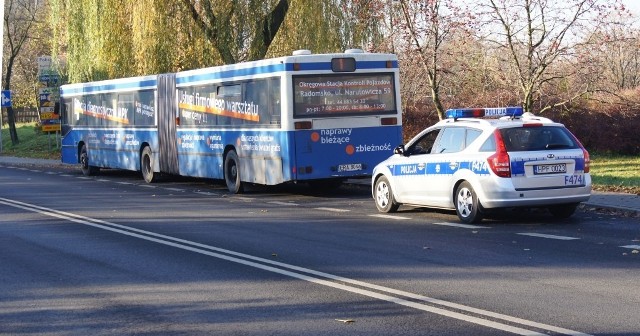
<point>451,140</point>
<point>472,134</point>
<point>424,144</point>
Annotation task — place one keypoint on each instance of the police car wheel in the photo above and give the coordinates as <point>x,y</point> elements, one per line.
<point>563,211</point>
<point>385,202</point>
<point>467,204</point>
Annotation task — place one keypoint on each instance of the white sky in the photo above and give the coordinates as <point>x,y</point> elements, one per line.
<point>633,6</point>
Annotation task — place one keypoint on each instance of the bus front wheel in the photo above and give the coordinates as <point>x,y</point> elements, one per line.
<point>146,165</point>
<point>232,173</point>
<point>87,169</point>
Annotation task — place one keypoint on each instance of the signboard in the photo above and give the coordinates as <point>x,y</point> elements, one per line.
<point>47,101</point>
<point>6,98</point>
<point>51,128</point>
<point>352,94</point>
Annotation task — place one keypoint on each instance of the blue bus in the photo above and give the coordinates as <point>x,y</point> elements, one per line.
<point>317,118</point>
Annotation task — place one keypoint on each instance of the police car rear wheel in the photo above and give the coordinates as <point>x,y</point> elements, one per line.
<point>467,204</point>
<point>385,202</point>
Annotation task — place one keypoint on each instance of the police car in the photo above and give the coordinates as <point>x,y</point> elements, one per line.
<point>471,164</point>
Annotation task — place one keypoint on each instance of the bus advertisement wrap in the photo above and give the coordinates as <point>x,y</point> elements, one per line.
<point>306,117</point>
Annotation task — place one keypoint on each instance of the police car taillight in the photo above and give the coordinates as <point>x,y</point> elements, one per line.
<point>587,160</point>
<point>495,112</point>
<point>499,162</point>
<point>585,154</point>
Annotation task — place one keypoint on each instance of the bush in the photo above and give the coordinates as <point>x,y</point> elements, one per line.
<point>602,131</point>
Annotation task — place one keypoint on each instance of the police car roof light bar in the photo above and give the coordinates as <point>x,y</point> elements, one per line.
<point>493,112</point>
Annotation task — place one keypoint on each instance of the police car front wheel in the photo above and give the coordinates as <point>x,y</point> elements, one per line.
<point>468,206</point>
<point>383,194</point>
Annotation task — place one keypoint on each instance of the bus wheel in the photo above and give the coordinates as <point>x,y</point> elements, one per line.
<point>232,173</point>
<point>87,170</point>
<point>146,165</point>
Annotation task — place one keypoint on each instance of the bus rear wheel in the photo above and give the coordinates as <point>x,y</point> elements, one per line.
<point>87,169</point>
<point>232,173</point>
<point>146,165</point>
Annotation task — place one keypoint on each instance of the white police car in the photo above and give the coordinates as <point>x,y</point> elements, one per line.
<point>471,164</point>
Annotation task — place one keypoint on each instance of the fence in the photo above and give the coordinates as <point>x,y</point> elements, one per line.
<point>22,115</point>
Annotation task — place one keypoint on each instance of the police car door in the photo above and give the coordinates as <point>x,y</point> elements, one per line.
<point>443,163</point>
<point>409,171</point>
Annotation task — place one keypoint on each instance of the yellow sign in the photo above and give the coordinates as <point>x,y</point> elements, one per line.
<point>51,128</point>
<point>49,115</point>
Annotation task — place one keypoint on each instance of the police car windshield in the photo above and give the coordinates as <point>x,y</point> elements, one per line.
<point>537,138</point>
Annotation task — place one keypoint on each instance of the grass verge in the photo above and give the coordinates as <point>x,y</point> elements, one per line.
<point>608,172</point>
<point>32,143</point>
<point>618,173</point>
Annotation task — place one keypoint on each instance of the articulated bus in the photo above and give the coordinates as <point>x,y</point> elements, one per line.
<point>317,118</point>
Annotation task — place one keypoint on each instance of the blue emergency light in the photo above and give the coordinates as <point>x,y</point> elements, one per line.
<point>493,112</point>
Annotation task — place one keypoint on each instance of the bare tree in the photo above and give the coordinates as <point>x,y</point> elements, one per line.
<point>427,25</point>
<point>19,21</point>
<point>535,35</point>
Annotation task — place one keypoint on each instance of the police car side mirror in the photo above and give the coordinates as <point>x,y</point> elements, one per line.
<point>399,150</point>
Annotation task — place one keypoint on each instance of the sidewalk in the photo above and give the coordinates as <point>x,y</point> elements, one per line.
<point>606,200</point>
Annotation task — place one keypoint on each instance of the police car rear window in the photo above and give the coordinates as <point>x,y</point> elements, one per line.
<point>537,138</point>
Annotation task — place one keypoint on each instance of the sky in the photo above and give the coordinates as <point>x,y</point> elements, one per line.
<point>632,5</point>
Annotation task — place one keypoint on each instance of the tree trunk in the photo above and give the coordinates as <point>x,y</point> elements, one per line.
<point>11,119</point>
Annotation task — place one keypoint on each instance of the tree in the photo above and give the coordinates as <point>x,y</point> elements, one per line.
<point>427,26</point>
<point>534,36</point>
<point>20,19</point>
<point>240,30</point>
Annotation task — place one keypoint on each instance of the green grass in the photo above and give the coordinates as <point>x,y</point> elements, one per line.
<point>32,143</point>
<point>615,173</point>
<point>608,172</point>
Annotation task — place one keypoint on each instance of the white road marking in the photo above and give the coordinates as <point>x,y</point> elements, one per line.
<point>246,199</point>
<point>125,183</point>
<point>66,175</point>
<point>103,180</point>
<point>206,193</point>
<point>147,186</point>
<point>283,203</point>
<point>635,247</point>
<point>84,178</point>
<point>333,209</point>
<point>51,173</point>
<point>465,226</point>
<point>389,216</point>
<point>318,277</point>
<point>174,189</point>
<point>540,235</point>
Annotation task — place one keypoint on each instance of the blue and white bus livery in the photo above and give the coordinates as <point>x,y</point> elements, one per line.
<point>315,118</point>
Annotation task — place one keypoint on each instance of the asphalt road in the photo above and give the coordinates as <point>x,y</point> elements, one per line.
<point>110,255</point>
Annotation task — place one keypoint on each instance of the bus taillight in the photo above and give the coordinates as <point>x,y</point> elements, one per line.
<point>302,125</point>
<point>389,121</point>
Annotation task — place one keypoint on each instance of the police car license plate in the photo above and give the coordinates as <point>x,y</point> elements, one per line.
<point>550,169</point>
<point>350,167</point>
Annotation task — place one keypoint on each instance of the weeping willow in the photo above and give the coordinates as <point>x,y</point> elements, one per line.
<point>102,39</point>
